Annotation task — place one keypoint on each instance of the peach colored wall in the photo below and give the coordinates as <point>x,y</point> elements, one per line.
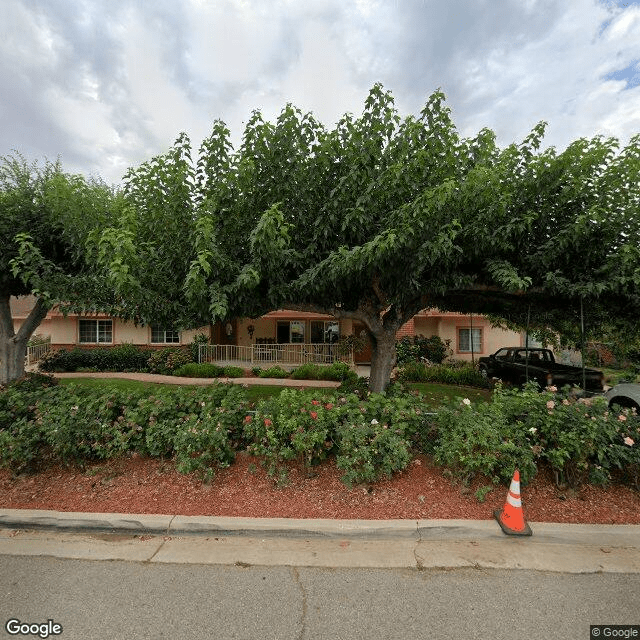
<point>263,328</point>
<point>65,331</point>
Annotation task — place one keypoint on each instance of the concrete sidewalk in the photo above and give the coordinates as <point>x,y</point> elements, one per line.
<point>416,544</point>
<point>160,379</point>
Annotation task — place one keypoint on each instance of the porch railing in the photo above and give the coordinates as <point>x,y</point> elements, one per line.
<point>286,354</point>
<point>37,350</point>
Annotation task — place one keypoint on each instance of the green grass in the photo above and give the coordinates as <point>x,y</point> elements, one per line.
<point>121,384</point>
<point>254,392</point>
<point>435,394</point>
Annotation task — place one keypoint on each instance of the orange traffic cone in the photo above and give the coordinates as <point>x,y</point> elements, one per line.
<point>511,518</point>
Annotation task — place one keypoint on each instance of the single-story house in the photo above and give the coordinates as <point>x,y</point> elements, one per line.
<point>470,336</point>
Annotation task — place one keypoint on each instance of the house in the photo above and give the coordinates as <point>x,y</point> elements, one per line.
<point>280,336</point>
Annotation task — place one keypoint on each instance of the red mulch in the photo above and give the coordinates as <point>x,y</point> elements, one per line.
<point>142,485</point>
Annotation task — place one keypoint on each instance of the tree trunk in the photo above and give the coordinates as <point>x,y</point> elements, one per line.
<point>383,359</point>
<point>13,346</point>
<point>12,355</point>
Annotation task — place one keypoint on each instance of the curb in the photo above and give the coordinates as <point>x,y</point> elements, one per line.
<point>627,535</point>
<point>387,544</point>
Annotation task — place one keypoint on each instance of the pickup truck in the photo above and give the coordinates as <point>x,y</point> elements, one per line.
<point>510,365</point>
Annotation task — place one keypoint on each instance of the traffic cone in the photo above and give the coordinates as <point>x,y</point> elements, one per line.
<point>510,518</point>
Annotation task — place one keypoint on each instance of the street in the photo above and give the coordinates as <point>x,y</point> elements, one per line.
<point>140,600</point>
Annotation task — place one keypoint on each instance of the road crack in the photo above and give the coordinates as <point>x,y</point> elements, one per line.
<point>303,618</point>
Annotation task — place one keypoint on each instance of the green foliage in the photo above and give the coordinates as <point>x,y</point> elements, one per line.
<point>337,371</point>
<point>273,372</point>
<point>371,436</point>
<point>581,439</point>
<point>206,441</point>
<point>72,424</point>
<point>203,370</point>
<point>420,349</point>
<point>46,219</point>
<point>194,346</point>
<point>125,357</point>
<point>295,424</point>
<point>33,382</point>
<point>465,375</point>
<point>368,451</point>
<point>479,439</point>
<point>166,361</point>
<point>233,372</point>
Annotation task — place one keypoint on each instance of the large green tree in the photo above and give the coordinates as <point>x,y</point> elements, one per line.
<point>46,219</point>
<point>380,217</point>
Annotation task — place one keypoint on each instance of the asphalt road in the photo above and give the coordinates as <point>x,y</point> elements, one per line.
<point>134,600</point>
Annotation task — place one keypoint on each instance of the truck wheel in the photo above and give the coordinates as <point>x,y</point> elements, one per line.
<point>484,372</point>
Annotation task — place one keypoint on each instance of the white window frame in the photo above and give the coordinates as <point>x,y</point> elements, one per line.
<point>470,332</point>
<point>100,328</point>
<point>159,330</point>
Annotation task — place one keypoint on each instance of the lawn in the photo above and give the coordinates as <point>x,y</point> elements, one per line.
<point>434,393</point>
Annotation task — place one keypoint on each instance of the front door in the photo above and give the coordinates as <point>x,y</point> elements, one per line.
<point>360,331</point>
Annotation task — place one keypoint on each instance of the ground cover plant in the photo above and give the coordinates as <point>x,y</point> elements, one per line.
<point>370,436</point>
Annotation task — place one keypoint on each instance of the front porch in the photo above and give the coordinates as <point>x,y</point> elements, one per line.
<point>287,355</point>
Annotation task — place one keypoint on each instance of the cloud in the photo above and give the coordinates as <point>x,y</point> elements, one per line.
<point>108,83</point>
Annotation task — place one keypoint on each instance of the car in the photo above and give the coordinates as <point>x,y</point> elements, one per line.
<point>625,394</point>
<point>520,364</point>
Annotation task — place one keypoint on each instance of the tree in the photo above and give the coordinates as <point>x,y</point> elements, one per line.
<point>381,217</point>
<point>354,221</point>
<point>46,218</point>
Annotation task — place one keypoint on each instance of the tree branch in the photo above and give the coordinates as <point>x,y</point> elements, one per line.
<point>35,317</point>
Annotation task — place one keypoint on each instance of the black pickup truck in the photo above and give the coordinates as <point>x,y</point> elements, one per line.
<point>516,364</point>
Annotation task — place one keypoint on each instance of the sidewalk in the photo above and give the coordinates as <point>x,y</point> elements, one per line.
<point>160,379</point>
<point>413,544</point>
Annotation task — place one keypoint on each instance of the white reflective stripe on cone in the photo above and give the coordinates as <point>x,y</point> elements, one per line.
<point>514,501</point>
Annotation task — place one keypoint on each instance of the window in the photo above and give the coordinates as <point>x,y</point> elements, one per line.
<point>296,329</point>
<point>464,340</point>
<point>95,331</point>
<point>160,335</point>
<point>324,331</point>
<point>290,331</point>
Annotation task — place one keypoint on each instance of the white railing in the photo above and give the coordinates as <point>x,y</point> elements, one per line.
<point>36,351</point>
<point>286,354</point>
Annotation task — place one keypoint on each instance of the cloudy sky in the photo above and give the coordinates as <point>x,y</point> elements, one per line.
<point>106,84</point>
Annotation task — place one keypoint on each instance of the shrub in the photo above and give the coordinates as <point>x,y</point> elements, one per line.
<point>195,370</point>
<point>480,439</point>
<point>72,424</point>
<point>337,371</point>
<point>202,443</point>
<point>367,451</point>
<point>308,371</point>
<point>33,382</point>
<point>125,357</point>
<point>273,372</point>
<point>419,349</point>
<point>233,372</point>
<point>295,424</point>
<point>464,375</point>
<point>194,346</point>
<point>166,361</point>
